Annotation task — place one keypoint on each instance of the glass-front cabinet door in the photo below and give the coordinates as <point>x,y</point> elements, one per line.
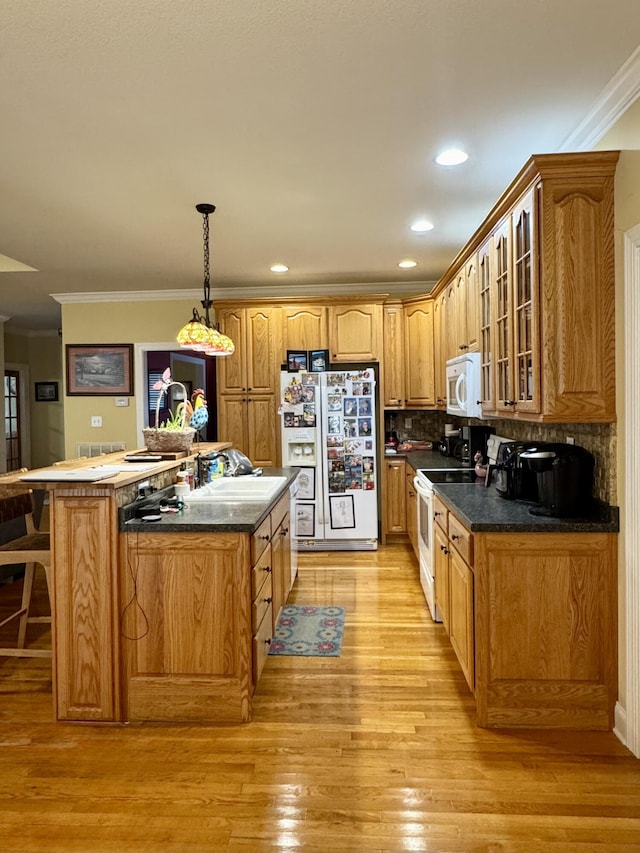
<point>485,329</point>
<point>525,307</point>
<point>501,286</point>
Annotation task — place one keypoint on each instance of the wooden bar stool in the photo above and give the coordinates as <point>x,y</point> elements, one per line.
<point>32,548</point>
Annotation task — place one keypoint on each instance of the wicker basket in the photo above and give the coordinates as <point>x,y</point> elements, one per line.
<point>162,440</point>
<point>168,440</point>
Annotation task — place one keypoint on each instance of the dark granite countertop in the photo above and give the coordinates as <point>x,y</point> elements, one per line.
<point>482,509</point>
<point>200,517</point>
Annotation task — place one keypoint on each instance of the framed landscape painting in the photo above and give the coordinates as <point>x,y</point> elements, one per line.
<point>99,370</point>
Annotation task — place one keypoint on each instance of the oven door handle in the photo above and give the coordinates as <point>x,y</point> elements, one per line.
<point>421,488</point>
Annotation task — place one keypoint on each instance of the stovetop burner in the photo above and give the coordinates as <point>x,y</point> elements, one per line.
<point>452,475</point>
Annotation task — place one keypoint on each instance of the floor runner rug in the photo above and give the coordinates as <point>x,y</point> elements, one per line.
<point>309,631</point>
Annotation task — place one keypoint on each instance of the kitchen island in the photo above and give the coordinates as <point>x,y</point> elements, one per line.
<point>136,606</point>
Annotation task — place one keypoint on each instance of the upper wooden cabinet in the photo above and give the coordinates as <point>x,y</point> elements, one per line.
<point>544,272</point>
<point>439,350</point>
<point>252,366</point>
<point>355,331</point>
<point>393,362</point>
<point>419,373</point>
<point>304,327</point>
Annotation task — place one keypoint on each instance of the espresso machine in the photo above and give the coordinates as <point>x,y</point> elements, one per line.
<point>564,475</point>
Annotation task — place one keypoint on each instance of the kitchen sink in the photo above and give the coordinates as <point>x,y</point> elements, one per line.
<point>238,489</point>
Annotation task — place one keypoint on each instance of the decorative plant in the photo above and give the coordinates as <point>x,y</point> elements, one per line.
<point>177,419</point>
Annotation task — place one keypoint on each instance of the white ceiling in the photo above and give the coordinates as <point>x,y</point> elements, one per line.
<point>310,124</point>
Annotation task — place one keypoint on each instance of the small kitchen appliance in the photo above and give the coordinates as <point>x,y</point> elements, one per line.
<point>564,478</point>
<point>463,382</point>
<point>515,480</point>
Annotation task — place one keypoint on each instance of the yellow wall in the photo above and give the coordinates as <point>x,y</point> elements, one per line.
<point>114,323</point>
<point>42,355</point>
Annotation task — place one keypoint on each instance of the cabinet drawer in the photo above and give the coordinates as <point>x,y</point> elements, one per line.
<point>461,539</point>
<point>440,513</point>
<point>260,539</point>
<point>261,644</point>
<point>262,602</point>
<point>260,572</point>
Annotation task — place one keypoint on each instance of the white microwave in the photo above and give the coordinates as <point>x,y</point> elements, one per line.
<point>463,386</point>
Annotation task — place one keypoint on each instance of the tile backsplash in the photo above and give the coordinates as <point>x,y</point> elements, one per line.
<point>598,439</point>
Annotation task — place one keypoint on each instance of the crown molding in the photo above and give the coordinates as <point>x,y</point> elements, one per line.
<point>620,93</point>
<point>248,292</point>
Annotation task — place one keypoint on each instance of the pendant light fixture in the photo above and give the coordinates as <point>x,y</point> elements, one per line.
<point>199,333</point>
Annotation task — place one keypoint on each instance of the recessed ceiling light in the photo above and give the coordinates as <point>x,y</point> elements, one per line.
<point>407,264</point>
<point>451,157</point>
<point>279,268</point>
<point>421,226</point>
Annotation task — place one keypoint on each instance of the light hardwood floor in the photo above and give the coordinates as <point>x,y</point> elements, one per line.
<point>376,750</point>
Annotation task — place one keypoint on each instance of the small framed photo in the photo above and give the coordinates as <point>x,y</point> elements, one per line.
<point>341,511</point>
<point>318,360</point>
<point>306,483</point>
<point>46,392</point>
<point>296,360</point>
<point>305,520</point>
<point>99,370</point>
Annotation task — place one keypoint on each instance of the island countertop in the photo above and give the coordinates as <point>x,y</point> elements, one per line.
<point>208,517</point>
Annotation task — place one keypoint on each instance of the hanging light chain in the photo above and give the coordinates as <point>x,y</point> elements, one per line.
<point>207,269</point>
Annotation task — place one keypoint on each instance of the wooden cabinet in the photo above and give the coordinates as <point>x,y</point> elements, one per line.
<point>303,327</point>
<point>394,514</point>
<point>355,331</point>
<point>484,281</point>
<point>393,392</point>
<point>251,423</point>
<point>453,556</point>
<point>461,613</point>
<point>412,510</point>
<point>247,400</point>
<point>251,369</point>
<point>85,606</point>
<point>440,334</point>
<point>280,556</point>
<point>546,629</point>
<point>472,286</point>
<point>551,267</point>
<point>262,583</point>
<point>419,372</point>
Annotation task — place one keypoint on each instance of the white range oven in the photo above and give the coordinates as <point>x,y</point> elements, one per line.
<point>423,483</point>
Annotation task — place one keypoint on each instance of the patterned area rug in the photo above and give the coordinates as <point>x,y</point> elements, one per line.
<point>309,631</point>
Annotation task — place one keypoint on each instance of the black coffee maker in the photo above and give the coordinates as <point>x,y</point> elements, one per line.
<point>564,475</point>
<point>513,479</point>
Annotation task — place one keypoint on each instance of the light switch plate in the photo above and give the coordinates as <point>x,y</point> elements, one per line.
<point>121,401</point>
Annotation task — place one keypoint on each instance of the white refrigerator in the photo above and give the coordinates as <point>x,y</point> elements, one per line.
<point>329,432</point>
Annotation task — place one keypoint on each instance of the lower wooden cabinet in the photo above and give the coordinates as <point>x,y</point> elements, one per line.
<point>532,618</point>
<point>394,511</point>
<point>461,616</point>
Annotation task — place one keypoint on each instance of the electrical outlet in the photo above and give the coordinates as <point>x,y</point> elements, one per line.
<point>96,421</point>
<point>570,439</point>
<point>407,423</point>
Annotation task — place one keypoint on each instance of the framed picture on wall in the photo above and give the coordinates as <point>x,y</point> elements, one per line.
<point>46,392</point>
<point>99,370</point>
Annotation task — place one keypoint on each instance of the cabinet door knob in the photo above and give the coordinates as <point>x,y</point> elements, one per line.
<point>267,569</point>
<point>267,600</point>
<point>510,402</point>
<point>454,536</point>
<point>265,537</point>
<point>268,641</point>
<point>436,514</point>
<point>284,531</point>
